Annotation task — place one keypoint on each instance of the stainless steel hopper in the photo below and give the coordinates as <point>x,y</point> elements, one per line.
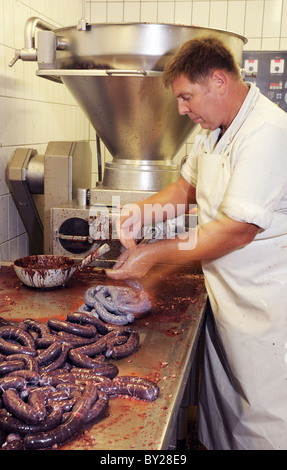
<point>114,72</point>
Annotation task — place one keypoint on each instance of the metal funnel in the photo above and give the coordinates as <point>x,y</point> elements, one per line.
<point>114,72</point>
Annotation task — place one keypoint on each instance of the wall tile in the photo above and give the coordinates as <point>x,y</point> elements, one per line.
<point>12,218</point>
<point>4,158</point>
<point>4,252</point>
<point>270,44</point>
<point>284,19</point>
<point>2,35</point>
<point>4,219</point>
<point>254,19</point>
<point>73,11</point>
<point>9,73</point>
<point>200,13</point>
<point>253,44</point>
<point>132,12</point>
<point>7,128</point>
<point>149,12</point>
<point>115,12</point>
<point>236,16</point>
<point>9,26</point>
<point>165,12</point>
<point>183,11</point>
<point>218,14</point>
<point>272,18</point>
<point>3,135</point>
<point>21,14</point>
<point>13,248</point>
<point>98,12</point>
<point>23,246</point>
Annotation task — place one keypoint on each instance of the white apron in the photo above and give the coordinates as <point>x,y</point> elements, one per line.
<point>243,402</point>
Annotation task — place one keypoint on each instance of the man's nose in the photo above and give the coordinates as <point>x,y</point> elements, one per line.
<point>183,108</point>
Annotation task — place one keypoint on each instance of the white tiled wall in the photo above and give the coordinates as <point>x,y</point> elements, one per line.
<point>34,111</point>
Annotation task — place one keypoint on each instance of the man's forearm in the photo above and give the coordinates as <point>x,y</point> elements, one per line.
<point>168,203</point>
<point>213,240</point>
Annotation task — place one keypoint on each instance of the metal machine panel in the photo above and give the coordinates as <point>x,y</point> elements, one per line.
<point>268,70</point>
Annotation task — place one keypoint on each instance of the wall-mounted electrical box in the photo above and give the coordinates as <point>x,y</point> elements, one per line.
<point>268,70</point>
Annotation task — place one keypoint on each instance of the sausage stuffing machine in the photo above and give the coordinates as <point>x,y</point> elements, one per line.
<point>114,72</point>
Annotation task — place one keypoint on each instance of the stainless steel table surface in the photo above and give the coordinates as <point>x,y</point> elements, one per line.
<point>169,337</point>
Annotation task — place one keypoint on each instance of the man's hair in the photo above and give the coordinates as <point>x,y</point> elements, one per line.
<point>198,58</point>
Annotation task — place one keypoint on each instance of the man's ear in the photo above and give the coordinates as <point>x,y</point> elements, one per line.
<point>219,81</point>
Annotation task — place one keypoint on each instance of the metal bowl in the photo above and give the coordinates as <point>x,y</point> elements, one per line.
<point>44,271</point>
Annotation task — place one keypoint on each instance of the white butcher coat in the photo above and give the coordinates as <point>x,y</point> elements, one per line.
<point>243,403</point>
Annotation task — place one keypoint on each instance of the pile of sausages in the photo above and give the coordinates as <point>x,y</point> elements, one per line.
<point>116,304</point>
<point>55,377</point>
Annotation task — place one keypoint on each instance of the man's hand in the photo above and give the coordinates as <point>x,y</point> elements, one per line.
<point>128,225</point>
<point>134,263</point>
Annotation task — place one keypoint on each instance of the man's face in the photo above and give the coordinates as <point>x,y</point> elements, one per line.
<point>198,101</point>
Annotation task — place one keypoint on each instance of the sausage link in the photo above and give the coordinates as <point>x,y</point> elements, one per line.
<point>36,399</point>
<point>109,317</point>
<point>64,431</point>
<point>11,424</point>
<point>89,375</point>
<point>7,367</point>
<point>49,355</point>
<point>89,318</point>
<point>30,362</point>
<point>80,330</point>
<point>19,408</point>
<point>59,361</point>
<point>122,345</point>
<point>18,334</point>
<point>85,356</point>
<point>7,348</point>
<point>76,341</point>
<point>136,387</point>
<point>30,376</point>
<point>99,408</point>
<point>41,328</point>
<point>18,383</point>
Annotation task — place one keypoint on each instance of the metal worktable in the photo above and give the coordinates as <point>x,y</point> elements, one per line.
<point>169,337</point>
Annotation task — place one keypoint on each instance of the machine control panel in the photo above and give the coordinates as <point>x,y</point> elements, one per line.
<point>268,70</point>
